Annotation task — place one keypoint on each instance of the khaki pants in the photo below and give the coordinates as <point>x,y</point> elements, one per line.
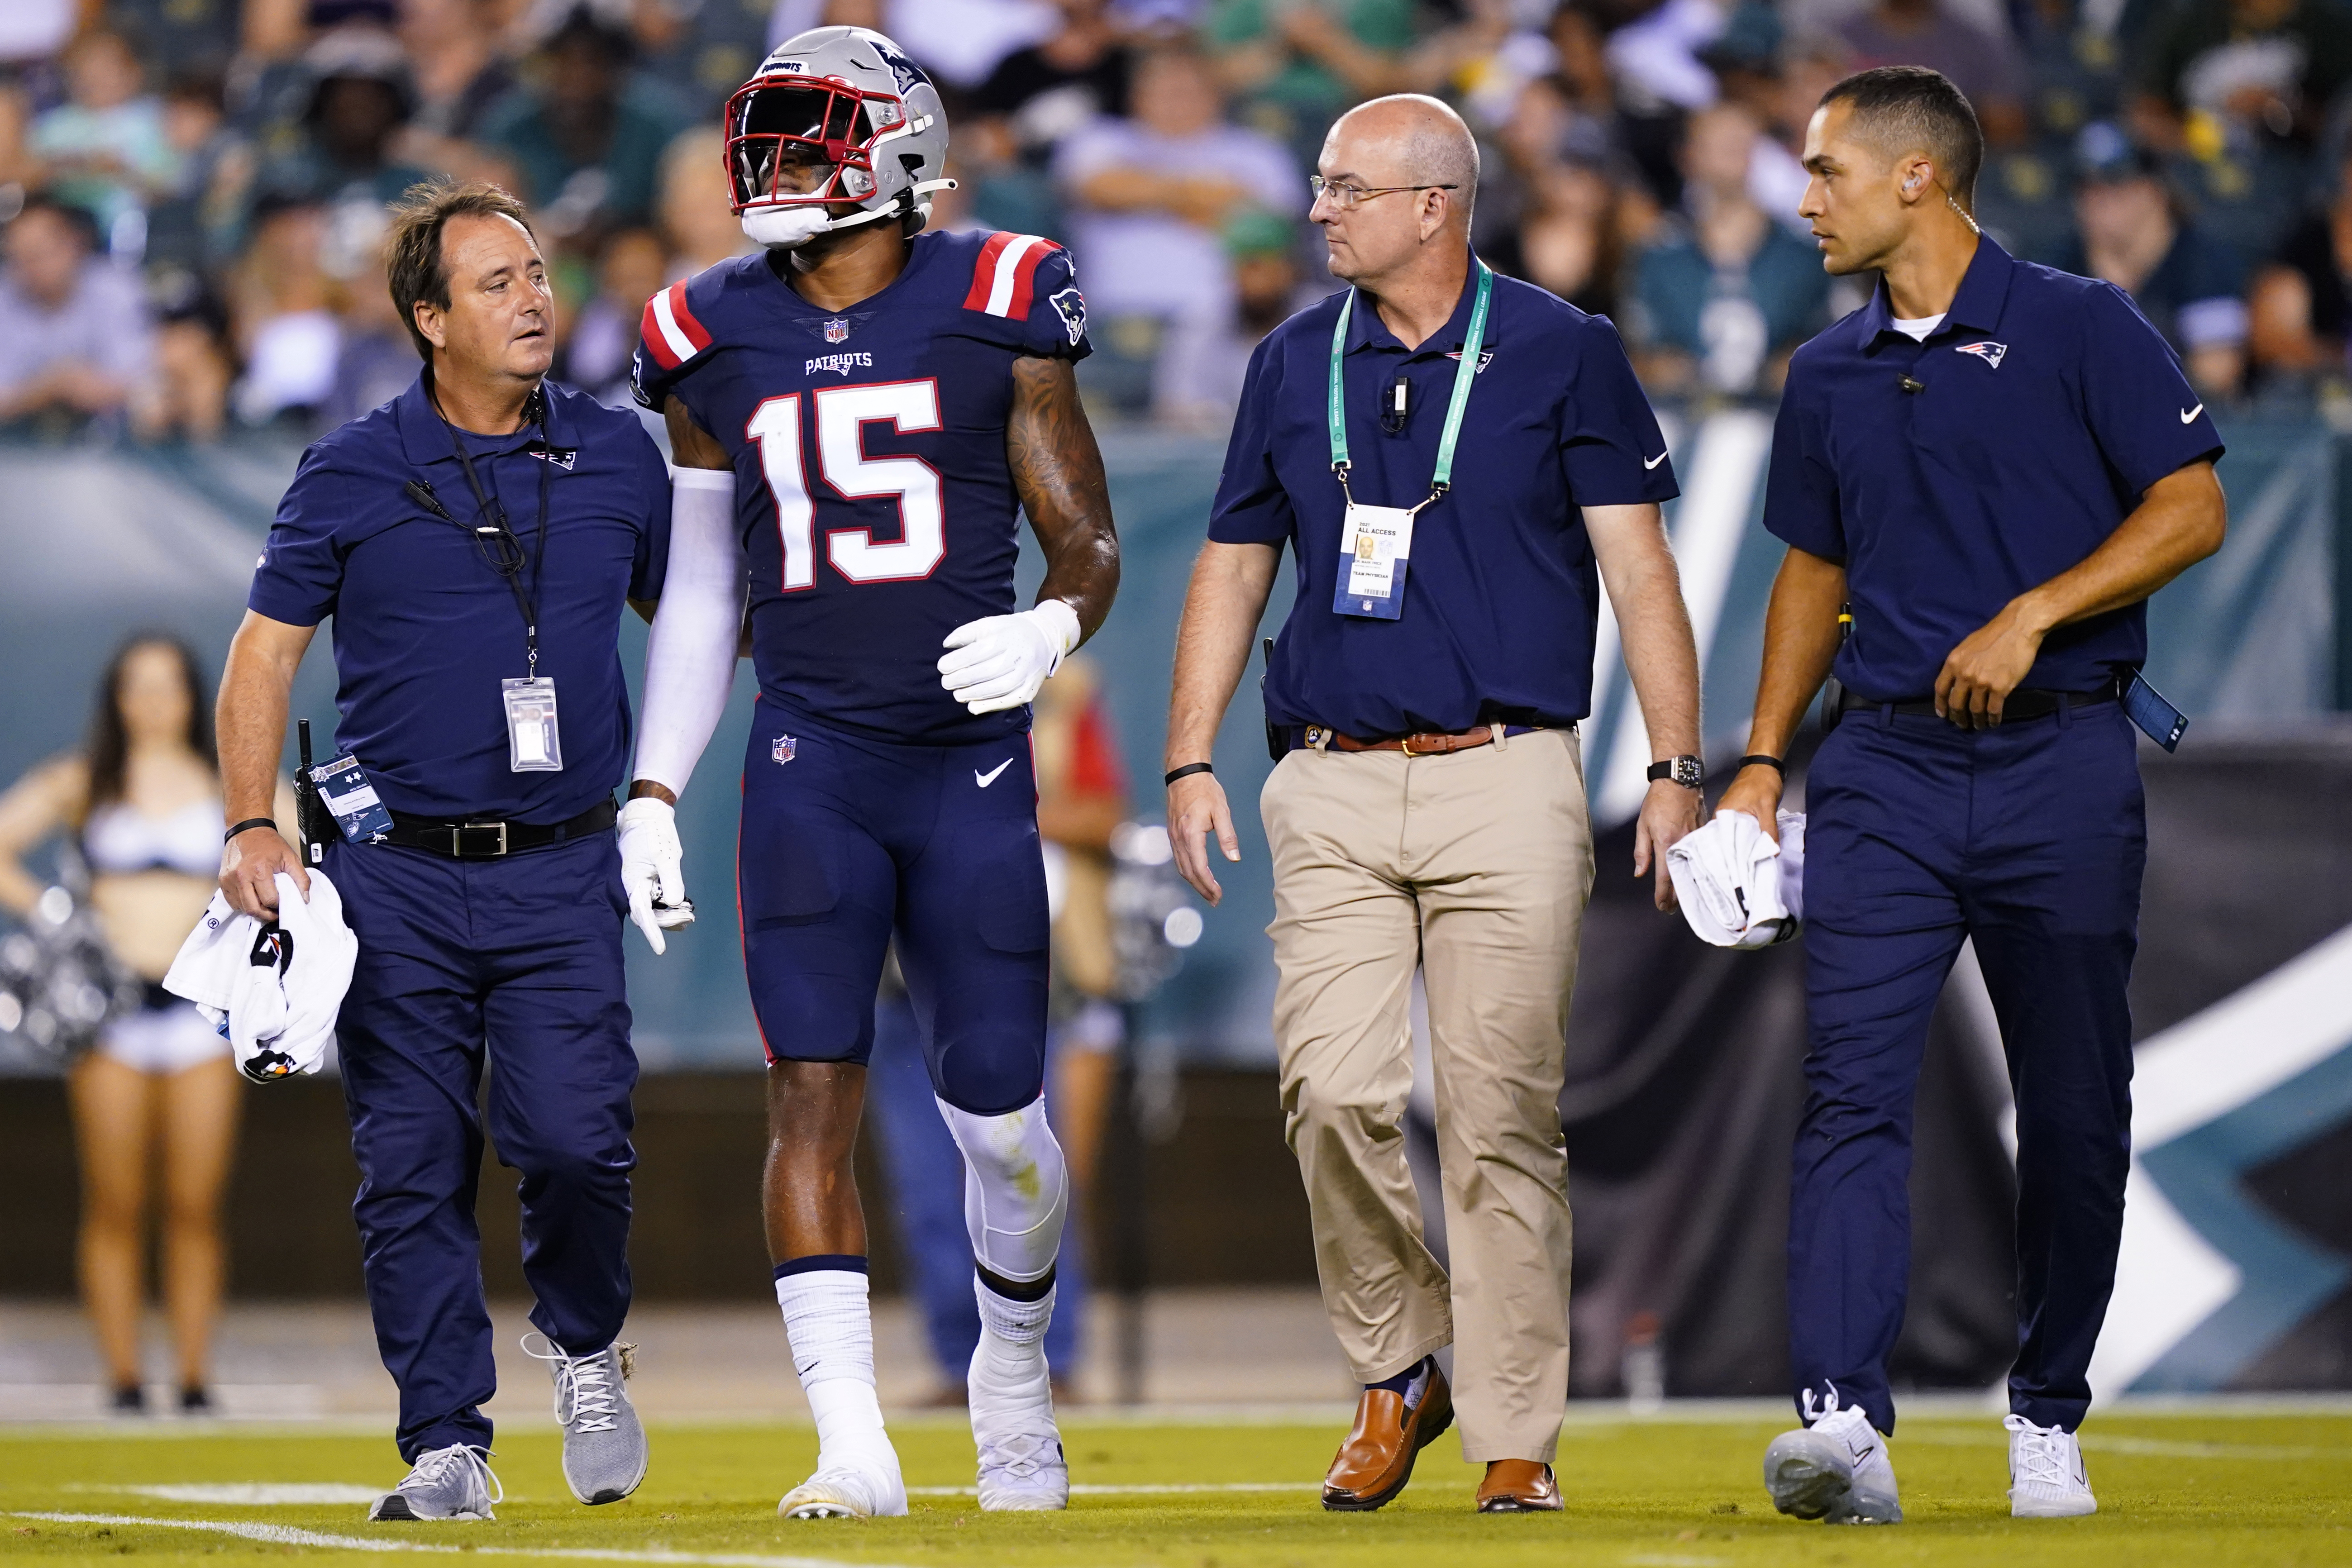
<point>1475,868</point>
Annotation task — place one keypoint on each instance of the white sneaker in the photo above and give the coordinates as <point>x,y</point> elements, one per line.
<point>2045,1472</point>
<point>453,1482</point>
<point>1021,1466</point>
<point>1836,1470</point>
<point>863,1485</point>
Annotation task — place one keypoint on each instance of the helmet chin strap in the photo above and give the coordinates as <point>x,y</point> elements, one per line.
<point>789,228</point>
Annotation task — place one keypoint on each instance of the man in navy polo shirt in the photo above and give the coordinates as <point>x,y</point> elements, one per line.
<point>475,540</point>
<point>1430,810</point>
<point>1995,464</point>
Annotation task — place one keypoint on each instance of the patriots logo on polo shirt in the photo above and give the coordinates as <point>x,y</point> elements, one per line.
<point>1991,354</point>
<point>1485,358</point>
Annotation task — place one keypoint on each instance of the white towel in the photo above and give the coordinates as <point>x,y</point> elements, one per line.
<point>1736,887</point>
<point>272,989</point>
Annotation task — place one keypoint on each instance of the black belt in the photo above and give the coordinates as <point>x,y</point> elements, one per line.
<point>2026,702</point>
<point>475,839</point>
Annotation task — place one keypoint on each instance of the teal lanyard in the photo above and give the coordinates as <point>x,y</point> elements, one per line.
<point>1463,375</point>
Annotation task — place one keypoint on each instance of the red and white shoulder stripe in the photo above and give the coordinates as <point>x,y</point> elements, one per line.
<point>672,335</point>
<point>1001,280</point>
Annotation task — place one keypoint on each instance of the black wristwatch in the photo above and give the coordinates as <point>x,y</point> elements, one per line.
<point>1688,772</point>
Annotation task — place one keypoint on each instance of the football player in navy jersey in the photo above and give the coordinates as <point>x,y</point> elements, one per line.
<point>858,413</point>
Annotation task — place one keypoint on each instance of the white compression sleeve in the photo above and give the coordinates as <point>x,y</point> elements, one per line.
<point>1016,1189</point>
<point>690,657</point>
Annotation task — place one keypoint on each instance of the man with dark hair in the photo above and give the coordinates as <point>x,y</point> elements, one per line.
<point>1989,469</point>
<point>475,540</point>
<point>74,334</point>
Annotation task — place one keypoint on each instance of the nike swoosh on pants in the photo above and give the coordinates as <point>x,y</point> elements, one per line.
<point>985,779</point>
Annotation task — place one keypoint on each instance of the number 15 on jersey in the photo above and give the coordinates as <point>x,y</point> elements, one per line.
<point>842,413</point>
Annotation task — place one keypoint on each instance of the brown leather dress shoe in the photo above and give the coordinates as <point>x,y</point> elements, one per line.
<point>1518,1486</point>
<point>1373,1465</point>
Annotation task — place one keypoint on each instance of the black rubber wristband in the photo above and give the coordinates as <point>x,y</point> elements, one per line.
<point>247,825</point>
<point>1186,772</point>
<point>1775,763</point>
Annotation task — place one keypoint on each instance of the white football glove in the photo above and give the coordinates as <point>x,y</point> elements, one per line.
<point>1000,661</point>
<point>653,870</point>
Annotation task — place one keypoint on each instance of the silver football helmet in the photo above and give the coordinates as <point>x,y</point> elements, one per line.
<point>834,116</point>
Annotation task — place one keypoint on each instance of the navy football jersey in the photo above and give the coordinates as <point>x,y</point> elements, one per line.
<point>872,490</point>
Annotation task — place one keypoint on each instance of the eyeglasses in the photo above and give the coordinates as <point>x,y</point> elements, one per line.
<point>1345,196</point>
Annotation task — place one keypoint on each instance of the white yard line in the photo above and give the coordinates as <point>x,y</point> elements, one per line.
<point>1144,1490</point>
<point>251,1494</point>
<point>287,1535</point>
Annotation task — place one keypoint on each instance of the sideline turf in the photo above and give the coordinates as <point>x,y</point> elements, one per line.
<point>2214,1491</point>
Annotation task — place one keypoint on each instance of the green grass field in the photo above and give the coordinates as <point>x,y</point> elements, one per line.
<point>2214,1491</point>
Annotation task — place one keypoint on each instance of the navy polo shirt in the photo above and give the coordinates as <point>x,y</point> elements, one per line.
<point>424,630</point>
<point>1503,597</point>
<point>2047,408</point>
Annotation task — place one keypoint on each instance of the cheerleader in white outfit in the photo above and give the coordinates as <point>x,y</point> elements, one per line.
<point>158,1094</point>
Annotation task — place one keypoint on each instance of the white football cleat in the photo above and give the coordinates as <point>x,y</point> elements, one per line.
<point>2046,1479</point>
<point>1836,1470</point>
<point>862,1486</point>
<point>1021,1466</point>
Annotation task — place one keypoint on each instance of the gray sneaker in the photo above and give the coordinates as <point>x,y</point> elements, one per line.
<point>603,1441</point>
<point>453,1482</point>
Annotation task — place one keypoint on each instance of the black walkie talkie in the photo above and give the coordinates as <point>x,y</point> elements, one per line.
<point>311,816</point>
<point>1833,690</point>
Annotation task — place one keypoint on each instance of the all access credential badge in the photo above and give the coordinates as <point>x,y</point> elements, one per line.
<point>1376,541</point>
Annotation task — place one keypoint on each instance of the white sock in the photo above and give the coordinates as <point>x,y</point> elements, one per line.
<point>830,1326</point>
<point>1013,1334</point>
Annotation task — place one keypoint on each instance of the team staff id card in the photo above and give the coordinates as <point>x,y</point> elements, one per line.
<point>534,744</point>
<point>1375,543</point>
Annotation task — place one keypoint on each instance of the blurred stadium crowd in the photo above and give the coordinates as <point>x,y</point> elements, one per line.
<point>194,190</point>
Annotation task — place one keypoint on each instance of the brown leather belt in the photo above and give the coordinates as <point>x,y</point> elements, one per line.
<point>1436,744</point>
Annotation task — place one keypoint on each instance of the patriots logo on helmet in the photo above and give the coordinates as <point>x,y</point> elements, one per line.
<point>1990,353</point>
<point>836,330</point>
<point>909,74</point>
<point>785,749</point>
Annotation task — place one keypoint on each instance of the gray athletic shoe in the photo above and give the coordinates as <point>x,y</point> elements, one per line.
<point>603,1442</point>
<point>1836,1470</point>
<point>453,1482</point>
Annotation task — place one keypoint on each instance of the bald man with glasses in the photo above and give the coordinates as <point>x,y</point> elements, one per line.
<point>1456,461</point>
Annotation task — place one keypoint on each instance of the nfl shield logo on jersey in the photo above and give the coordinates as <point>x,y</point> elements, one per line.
<point>836,330</point>
<point>785,749</point>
